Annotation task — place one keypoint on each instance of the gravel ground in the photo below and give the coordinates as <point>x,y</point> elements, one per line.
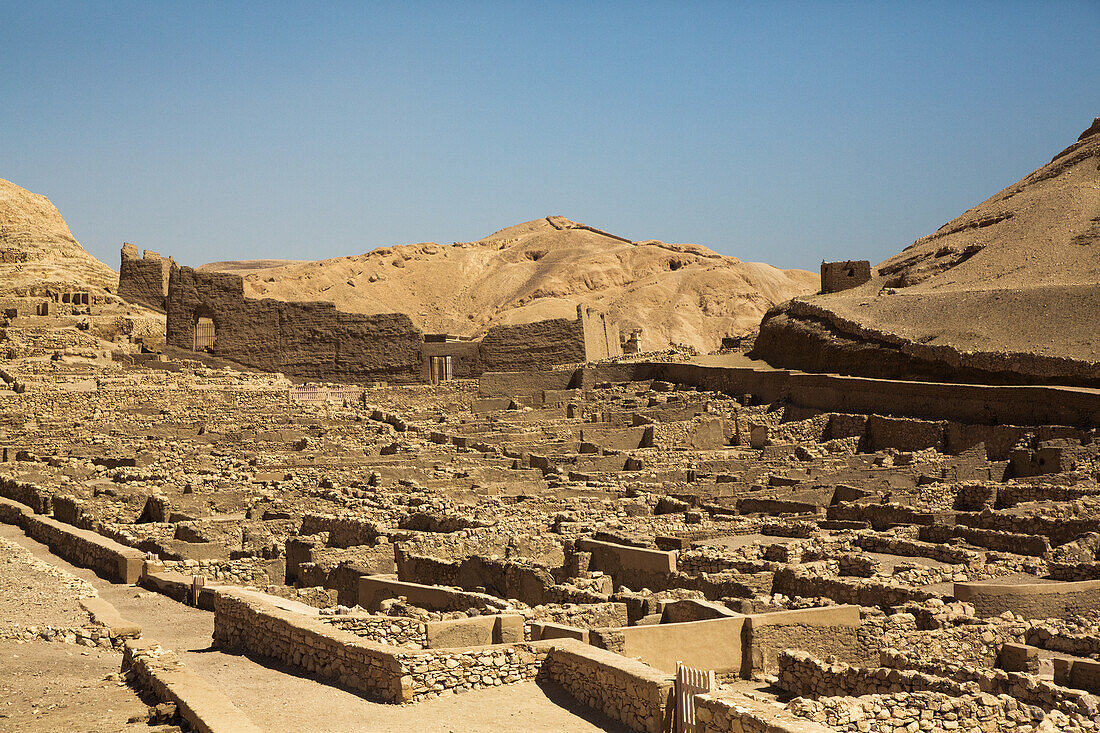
<point>36,593</point>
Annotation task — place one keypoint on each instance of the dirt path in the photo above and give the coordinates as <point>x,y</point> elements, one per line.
<point>282,701</point>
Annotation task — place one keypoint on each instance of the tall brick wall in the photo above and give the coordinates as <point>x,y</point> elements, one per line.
<point>144,280</point>
<point>305,340</point>
<point>531,346</point>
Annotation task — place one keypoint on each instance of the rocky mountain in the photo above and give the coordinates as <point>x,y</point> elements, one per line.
<point>1007,292</point>
<point>677,293</point>
<point>38,252</point>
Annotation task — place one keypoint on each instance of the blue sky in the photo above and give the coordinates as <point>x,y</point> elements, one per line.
<point>779,132</point>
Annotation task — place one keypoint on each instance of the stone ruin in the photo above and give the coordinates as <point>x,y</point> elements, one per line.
<point>843,554</point>
<point>838,276</point>
<point>144,280</point>
<point>657,538</point>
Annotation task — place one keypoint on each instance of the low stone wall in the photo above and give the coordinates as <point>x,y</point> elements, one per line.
<point>913,548</point>
<point>252,624</point>
<point>203,707</point>
<point>389,630</point>
<point>628,691</point>
<point>24,493</point>
<point>1037,601</point>
<point>79,546</point>
<point>1058,530</point>
<point>858,592</point>
<point>881,516</point>
<point>726,712</point>
<point>1019,544</point>
<point>1045,636</point>
<point>928,712</point>
<point>343,531</point>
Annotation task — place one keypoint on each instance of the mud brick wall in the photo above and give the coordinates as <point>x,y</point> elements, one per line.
<point>144,280</point>
<point>305,340</point>
<point>623,689</point>
<point>838,276</point>
<point>533,346</point>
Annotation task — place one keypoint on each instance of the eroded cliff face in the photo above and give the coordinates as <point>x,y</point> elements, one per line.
<point>543,269</point>
<point>1009,292</point>
<point>38,254</point>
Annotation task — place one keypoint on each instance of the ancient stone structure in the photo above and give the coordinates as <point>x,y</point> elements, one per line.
<point>837,276</point>
<point>144,280</point>
<point>208,311</point>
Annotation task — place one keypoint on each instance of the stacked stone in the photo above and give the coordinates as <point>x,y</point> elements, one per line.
<point>440,672</point>
<point>392,630</point>
<point>309,644</point>
<point>929,712</point>
<point>90,635</point>
<point>243,571</point>
<point>637,699</point>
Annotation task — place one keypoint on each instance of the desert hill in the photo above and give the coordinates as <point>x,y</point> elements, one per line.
<point>1008,291</point>
<point>679,293</point>
<point>38,252</point>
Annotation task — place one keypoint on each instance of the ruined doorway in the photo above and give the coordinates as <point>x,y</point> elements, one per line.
<point>204,334</point>
<point>440,369</point>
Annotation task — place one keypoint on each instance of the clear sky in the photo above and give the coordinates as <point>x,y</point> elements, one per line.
<point>779,132</point>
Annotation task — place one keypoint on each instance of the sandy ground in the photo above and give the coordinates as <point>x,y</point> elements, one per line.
<point>282,701</point>
<point>36,593</point>
<point>49,686</point>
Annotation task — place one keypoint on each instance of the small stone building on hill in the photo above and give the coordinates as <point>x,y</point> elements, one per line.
<point>838,276</point>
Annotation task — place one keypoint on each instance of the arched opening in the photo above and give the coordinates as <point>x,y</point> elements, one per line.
<point>204,334</point>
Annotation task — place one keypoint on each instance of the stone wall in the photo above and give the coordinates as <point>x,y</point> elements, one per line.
<point>144,280</point>
<point>533,346</point>
<point>305,340</point>
<point>728,712</point>
<point>391,630</point>
<point>623,689</point>
<point>856,591</point>
<point>246,622</point>
<point>1036,601</point>
<point>81,547</point>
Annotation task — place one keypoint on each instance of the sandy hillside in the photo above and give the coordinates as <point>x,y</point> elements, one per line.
<point>1015,278</point>
<point>679,293</point>
<point>37,250</point>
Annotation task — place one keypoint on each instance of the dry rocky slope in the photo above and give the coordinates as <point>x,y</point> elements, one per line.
<point>38,252</point>
<point>679,293</point>
<point>1009,292</point>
